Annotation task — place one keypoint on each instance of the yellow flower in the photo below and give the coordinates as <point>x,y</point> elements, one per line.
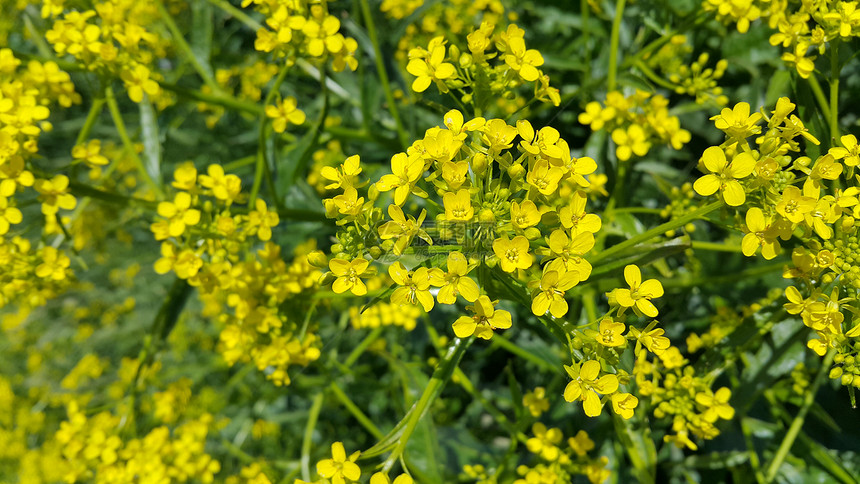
<point>585,385</point>
<point>53,194</point>
<point>737,122</point>
<point>630,142</point>
<point>640,293</point>
<point>849,152</point>
<point>342,177</point>
<point>8,215</point>
<point>525,215</point>
<point>455,282</point>
<point>546,140</point>
<point>403,228</point>
<point>431,69</point>
<point>574,218</point>
<point>724,175</point>
<point>54,264</point>
<point>284,112</point>
<point>550,293</point>
<point>137,82</point>
<point>581,443</point>
<point>760,234</point>
<point>596,116</point>
<point>224,187</point>
<point>610,333</point>
<point>458,207</point>
<point>349,275</point>
<point>524,62</point>
<point>455,173</point>
<point>90,153</point>
<point>485,320</point>
<point>536,401</point>
<point>567,252</point>
<point>544,177</point>
<point>261,220</point>
<point>405,171</point>
<point>513,253</point>
<point>716,405</point>
<point>349,203</point>
<point>179,214</point>
<point>414,285</point>
<point>623,404</point>
<point>545,442</point>
<point>793,205</point>
<point>380,478</point>
<point>339,468</point>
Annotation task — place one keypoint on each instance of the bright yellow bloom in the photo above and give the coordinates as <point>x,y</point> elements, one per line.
<point>536,401</point>
<point>414,285</point>
<point>455,282</point>
<point>610,333</point>
<point>431,69</point>
<point>567,252</point>
<point>403,228</point>
<point>849,152</point>
<point>581,443</point>
<point>724,175</point>
<point>137,82</point>
<point>90,153</point>
<point>623,404</point>
<point>545,442</point>
<point>760,234</point>
<point>525,215</point>
<point>285,112</point>
<point>640,293</point>
<point>179,214</point>
<point>8,215</point>
<point>54,194</point>
<point>485,320</point>
<point>405,171</point>
<point>343,176</point>
<point>574,218</point>
<point>546,140</point>
<point>586,386</point>
<point>380,478</point>
<point>339,468</point>
<point>455,173</point>
<point>224,187</point>
<point>738,123</point>
<point>54,264</point>
<point>524,62</point>
<point>630,142</point>
<point>793,205</point>
<point>261,220</point>
<point>349,203</point>
<point>716,405</point>
<point>349,275</point>
<point>550,293</point>
<point>513,253</point>
<point>458,206</point>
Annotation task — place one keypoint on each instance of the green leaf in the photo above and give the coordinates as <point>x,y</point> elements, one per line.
<point>201,33</point>
<point>151,143</point>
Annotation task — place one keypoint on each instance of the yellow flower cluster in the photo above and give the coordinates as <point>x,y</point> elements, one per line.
<point>92,450</point>
<point>637,122</point>
<point>116,37</point>
<point>385,314</point>
<point>694,79</point>
<point>207,243</point>
<point>502,212</point>
<point>803,28</point>
<point>303,29</point>
<point>484,74</point>
<point>561,463</point>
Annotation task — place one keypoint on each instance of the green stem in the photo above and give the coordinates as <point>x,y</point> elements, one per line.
<point>797,424</point>
<point>355,411</point>
<point>654,77</point>
<point>362,347</point>
<point>715,246</point>
<point>512,348</point>
<point>753,455</point>
<point>186,49</point>
<point>585,13</point>
<point>237,13</point>
<point>313,415</point>
<point>38,39</point>
<point>113,107</point>
<point>613,45</point>
<point>92,116</point>
<point>216,99</point>
<point>383,75</point>
<point>656,211</point>
<point>834,91</point>
<point>819,95</point>
<point>261,141</point>
<point>658,230</point>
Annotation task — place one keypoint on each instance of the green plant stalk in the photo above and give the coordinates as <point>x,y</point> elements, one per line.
<point>355,411</point>
<point>613,45</point>
<point>834,91</point>
<point>38,39</point>
<point>113,107</point>
<point>585,14</point>
<point>753,455</point>
<point>237,13</point>
<point>506,345</point>
<point>715,246</point>
<point>185,48</point>
<point>797,423</point>
<point>819,95</point>
<point>658,230</point>
<point>261,141</point>
<point>92,117</point>
<point>362,347</point>
<point>383,75</point>
<point>313,415</point>
<point>650,74</point>
<point>217,99</point>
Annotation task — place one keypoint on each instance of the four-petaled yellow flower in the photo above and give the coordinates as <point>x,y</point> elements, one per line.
<point>737,122</point>
<point>486,319</point>
<point>455,282</point>
<point>550,293</point>
<point>724,176</point>
<point>524,61</point>
<point>585,385</point>
<point>640,293</point>
<point>609,333</point>
<point>513,253</point>
<point>339,468</point>
<point>524,215</point>
<point>630,142</point>
<point>405,171</point>
<point>849,152</point>
<point>545,441</point>
<point>414,285</point>
<point>403,228</point>
<point>179,215</point>
<point>761,233</point>
<point>623,404</point>
<point>349,275</point>
<point>284,112</point>
<point>431,69</point>
<point>716,405</point>
<point>458,206</point>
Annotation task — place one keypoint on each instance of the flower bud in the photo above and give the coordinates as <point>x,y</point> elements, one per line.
<point>317,259</point>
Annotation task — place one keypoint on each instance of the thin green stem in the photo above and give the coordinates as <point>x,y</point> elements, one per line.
<point>834,91</point>
<point>216,99</point>
<point>307,439</point>
<point>512,348</point>
<point>797,424</point>
<point>362,347</point>
<point>186,49</point>
<point>356,412</point>
<point>237,13</point>
<point>658,230</point>
<point>37,38</point>
<point>613,45</point>
<point>585,13</point>
<point>755,463</point>
<point>715,246</point>
<point>113,107</point>
<point>92,117</point>
<point>654,77</point>
<point>383,75</point>
<point>656,211</point>
<point>819,95</point>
